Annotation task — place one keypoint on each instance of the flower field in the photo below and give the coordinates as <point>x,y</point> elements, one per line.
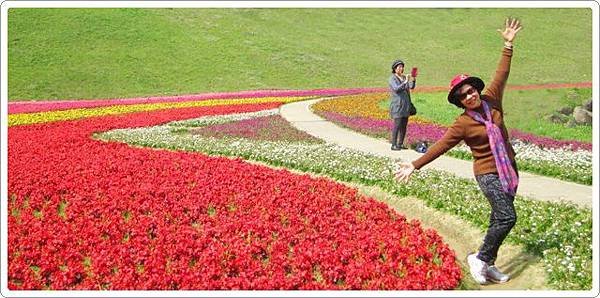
<point>566,160</point>
<point>563,240</point>
<point>87,213</point>
<point>134,167</point>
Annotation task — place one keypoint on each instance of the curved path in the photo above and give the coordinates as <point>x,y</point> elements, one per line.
<point>532,186</point>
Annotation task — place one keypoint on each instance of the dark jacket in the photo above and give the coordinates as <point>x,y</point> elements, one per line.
<point>400,93</point>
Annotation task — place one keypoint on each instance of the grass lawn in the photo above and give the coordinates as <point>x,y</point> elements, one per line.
<point>114,53</point>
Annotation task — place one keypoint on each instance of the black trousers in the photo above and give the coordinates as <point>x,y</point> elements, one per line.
<point>399,131</point>
<point>502,218</point>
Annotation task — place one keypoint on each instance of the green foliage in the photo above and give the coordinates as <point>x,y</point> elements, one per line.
<point>552,170</point>
<point>527,111</point>
<point>79,53</point>
<point>565,171</point>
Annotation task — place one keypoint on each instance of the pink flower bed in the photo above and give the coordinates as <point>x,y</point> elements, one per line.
<point>382,128</point>
<point>87,214</point>
<point>43,106</point>
<point>270,128</point>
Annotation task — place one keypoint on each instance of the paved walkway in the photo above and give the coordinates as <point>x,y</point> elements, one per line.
<point>532,186</point>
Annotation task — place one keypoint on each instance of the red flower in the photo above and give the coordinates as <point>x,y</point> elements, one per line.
<point>87,214</point>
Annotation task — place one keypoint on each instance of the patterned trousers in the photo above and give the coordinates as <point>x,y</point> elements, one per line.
<point>502,218</point>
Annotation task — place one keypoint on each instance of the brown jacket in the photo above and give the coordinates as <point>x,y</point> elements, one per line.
<point>474,133</point>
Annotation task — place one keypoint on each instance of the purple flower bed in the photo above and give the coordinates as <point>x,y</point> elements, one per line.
<point>546,142</point>
<point>382,128</point>
<point>43,106</point>
<point>269,128</point>
<point>433,132</point>
<point>424,132</point>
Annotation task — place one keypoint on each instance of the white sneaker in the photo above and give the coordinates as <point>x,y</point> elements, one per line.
<point>496,276</point>
<point>478,268</point>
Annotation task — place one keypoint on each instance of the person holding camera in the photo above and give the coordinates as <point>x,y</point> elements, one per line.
<point>401,106</point>
<point>482,128</point>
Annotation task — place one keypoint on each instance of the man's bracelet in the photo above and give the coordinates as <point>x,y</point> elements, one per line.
<point>508,45</point>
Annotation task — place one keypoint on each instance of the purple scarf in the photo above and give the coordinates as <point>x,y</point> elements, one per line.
<point>508,176</point>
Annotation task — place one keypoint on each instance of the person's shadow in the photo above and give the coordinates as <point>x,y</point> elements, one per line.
<point>518,263</point>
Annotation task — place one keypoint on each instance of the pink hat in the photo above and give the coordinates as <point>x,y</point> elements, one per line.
<point>458,81</point>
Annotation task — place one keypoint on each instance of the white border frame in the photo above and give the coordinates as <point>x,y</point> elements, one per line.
<point>593,5</point>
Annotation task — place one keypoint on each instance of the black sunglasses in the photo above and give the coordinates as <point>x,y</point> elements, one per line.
<point>463,96</point>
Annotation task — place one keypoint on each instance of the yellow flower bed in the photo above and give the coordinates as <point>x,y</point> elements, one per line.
<point>51,116</point>
<point>364,105</point>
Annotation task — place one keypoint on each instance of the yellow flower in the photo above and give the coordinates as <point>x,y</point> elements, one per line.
<point>366,105</point>
<point>51,116</point>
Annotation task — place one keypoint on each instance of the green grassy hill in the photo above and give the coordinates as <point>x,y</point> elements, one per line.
<point>115,53</point>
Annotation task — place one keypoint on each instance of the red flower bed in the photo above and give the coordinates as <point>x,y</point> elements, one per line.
<point>86,214</point>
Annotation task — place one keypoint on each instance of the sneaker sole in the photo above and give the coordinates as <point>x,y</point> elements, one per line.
<point>498,281</point>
